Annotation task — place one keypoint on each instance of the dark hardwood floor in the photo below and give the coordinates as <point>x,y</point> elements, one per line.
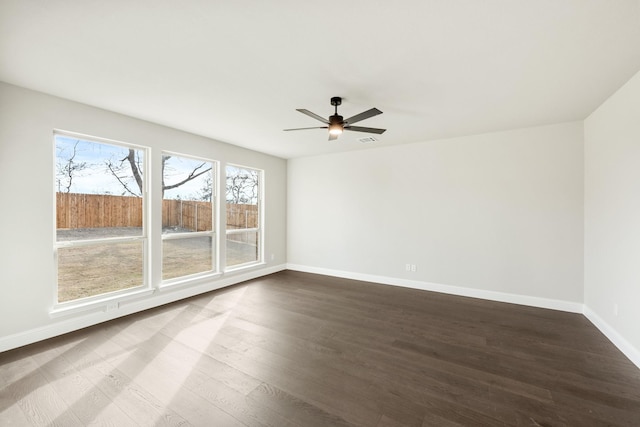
<point>296,349</point>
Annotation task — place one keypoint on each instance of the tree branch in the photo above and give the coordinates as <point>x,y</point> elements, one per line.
<point>115,174</point>
<point>191,176</point>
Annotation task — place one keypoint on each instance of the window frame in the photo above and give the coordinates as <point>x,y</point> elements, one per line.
<point>110,299</point>
<point>259,230</point>
<point>213,233</point>
<point>151,239</point>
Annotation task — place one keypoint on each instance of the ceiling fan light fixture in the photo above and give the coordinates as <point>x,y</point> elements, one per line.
<point>335,129</point>
<point>336,124</point>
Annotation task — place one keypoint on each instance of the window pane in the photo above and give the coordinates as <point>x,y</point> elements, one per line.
<point>242,248</point>
<point>98,189</point>
<point>85,271</point>
<point>187,187</point>
<point>181,257</point>
<point>242,198</point>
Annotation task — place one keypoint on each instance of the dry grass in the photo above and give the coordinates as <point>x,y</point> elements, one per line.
<point>91,270</point>
<point>97,269</point>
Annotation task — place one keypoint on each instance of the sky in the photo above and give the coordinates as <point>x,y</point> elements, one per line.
<point>92,176</point>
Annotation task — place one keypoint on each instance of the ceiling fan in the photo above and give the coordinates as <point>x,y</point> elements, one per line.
<point>336,124</point>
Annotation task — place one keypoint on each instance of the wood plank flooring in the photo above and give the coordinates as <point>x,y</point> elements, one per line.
<point>296,349</point>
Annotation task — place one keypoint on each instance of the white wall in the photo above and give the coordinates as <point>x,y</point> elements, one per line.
<point>27,120</point>
<point>612,217</point>
<point>498,215</point>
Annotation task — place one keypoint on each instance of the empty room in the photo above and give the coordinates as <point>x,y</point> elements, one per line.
<point>420,213</point>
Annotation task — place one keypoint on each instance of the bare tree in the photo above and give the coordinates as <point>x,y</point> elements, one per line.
<point>195,173</point>
<point>122,170</point>
<point>132,165</point>
<point>67,171</point>
<point>206,191</point>
<point>242,187</point>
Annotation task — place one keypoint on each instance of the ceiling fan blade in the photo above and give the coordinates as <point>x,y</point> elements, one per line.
<point>314,115</point>
<point>333,137</point>
<point>319,127</point>
<point>363,129</point>
<point>364,115</point>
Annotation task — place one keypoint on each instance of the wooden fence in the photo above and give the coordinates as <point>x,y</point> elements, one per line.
<point>96,211</point>
<point>186,214</point>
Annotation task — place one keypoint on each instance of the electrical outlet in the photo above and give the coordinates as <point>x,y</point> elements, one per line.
<point>413,268</point>
<point>273,256</point>
<point>112,306</point>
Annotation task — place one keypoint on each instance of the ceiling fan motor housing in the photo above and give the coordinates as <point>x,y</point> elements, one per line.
<point>336,119</point>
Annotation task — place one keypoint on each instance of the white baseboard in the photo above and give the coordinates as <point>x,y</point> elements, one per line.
<point>572,307</point>
<point>159,298</point>
<point>618,340</point>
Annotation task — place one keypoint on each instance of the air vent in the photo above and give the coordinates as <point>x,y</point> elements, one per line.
<point>367,140</point>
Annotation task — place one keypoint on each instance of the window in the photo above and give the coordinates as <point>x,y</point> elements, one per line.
<point>101,241</point>
<point>188,216</point>
<point>102,246</point>
<point>243,216</point>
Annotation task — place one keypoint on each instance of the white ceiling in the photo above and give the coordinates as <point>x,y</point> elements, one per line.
<point>236,71</point>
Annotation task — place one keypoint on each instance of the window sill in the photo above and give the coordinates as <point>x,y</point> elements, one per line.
<point>103,304</point>
<point>194,280</point>
<point>247,266</point>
